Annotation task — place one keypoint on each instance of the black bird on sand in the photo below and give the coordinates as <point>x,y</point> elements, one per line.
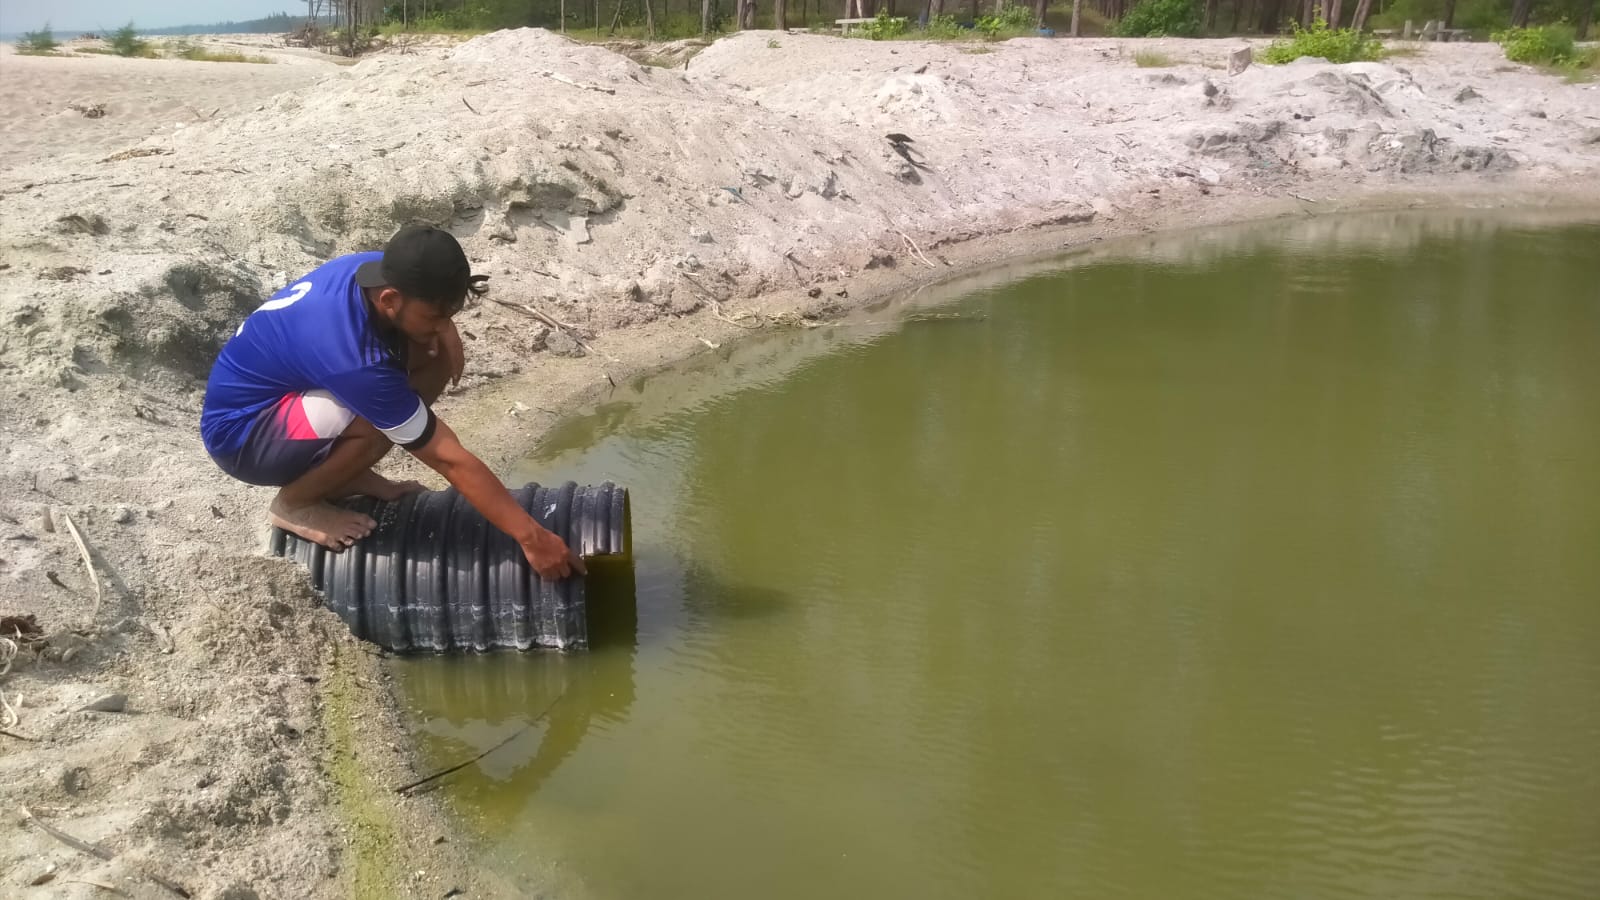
<point>902,145</point>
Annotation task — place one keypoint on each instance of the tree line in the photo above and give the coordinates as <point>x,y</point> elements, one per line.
<point>678,18</point>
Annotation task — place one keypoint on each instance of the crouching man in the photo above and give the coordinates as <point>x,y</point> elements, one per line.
<point>320,380</point>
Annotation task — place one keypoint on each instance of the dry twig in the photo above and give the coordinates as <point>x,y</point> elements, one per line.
<point>565,80</point>
<point>8,715</point>
<point>101,885</point>
<point>88,563</point>
<point>915,250</point>
<point>716,312</point>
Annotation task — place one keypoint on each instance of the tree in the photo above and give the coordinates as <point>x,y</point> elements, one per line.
<point>1076,5</point>
<point>125,41</point>
<point>1363,7</point>
<point>1238,9</point>
<point>780,15</point>
<point>1039,10</point>
<point>1271,16</point>
<point>1520,10</point>
<point>38,42</point>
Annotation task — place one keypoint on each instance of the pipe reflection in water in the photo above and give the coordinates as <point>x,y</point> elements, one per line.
<point>467,704</point>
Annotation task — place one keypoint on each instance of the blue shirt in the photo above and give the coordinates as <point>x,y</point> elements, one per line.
<point>314,334</point>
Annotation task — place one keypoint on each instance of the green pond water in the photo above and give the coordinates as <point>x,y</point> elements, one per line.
<point>1256,563</point>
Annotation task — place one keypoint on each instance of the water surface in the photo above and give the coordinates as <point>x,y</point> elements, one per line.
<point>1261,563</point>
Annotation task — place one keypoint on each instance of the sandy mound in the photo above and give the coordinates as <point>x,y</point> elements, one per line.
<point>755,166</point>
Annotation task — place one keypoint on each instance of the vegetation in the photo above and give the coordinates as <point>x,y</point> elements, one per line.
<point>1150,59</point>
<point>943,28</point>
<point>356,20</point>
<point>1553,47</point>
<point>1161,18</point>
<point>1337,45</point>
<point>884,27</point>
<point>1009,22</point>
<point>1481,16</point>
<point>125,42</point>
<point>38,43</point>
<point>278,23</point>
<point>185,50</point>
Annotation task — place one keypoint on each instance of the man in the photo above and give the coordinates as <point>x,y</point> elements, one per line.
<point>318,382</point>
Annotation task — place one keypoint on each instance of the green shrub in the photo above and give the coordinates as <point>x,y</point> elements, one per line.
<point>1336,45</point>
<point>884,27</point>
<point>942,28</point>
<point>1150,59</point>
<point>1161,18</point>
<point>186,50</point>
<point>1552,45</point>
<point>37,43</point>
<point>125,42</point>
<point>1013,20</point>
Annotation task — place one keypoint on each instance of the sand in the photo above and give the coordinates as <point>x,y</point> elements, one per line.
<point>663,212</point>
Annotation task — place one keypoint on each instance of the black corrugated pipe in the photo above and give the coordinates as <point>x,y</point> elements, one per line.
<point>436,576</point>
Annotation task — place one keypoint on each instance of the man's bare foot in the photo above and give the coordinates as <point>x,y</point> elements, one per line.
<point>371,484</point>
<point>323,523</point>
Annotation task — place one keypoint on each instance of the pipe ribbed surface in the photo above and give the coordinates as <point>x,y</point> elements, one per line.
<point>436,576</point>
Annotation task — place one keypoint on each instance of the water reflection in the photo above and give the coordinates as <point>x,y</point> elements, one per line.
<point>545,703</point>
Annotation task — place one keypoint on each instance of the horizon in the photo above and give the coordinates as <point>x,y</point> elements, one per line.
<point>70,19</point>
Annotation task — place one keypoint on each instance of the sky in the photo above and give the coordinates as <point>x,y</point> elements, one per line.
<point>66,17</point>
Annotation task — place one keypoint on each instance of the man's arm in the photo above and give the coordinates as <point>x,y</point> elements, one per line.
<point>546,552</point>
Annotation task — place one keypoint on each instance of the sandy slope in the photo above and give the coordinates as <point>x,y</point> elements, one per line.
<point>651,206</point>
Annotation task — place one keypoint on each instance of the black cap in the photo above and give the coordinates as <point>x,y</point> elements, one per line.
<point>423,262</point>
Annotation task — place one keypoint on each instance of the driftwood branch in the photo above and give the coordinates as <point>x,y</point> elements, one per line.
<point>462,765</point>
<point>553,323</point>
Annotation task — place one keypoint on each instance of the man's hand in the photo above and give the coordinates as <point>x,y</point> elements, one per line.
<point>546,552</point>
<point>448,342</point>
<point>550,556</point>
